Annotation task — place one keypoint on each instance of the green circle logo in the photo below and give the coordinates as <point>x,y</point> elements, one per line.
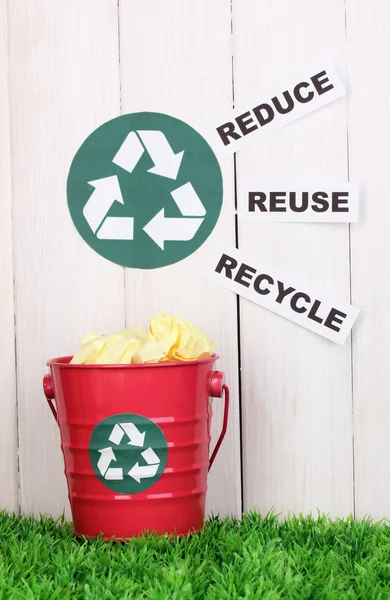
<point>128,453</point>
<point>145,190</point>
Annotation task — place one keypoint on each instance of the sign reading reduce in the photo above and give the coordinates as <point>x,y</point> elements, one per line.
<point>289,101</point>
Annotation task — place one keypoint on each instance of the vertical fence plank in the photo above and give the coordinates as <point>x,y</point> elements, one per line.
<point>8,432</point>
<point>64,81</point>
<point>297,421</point>
<point>369,132</point>
<point>176,58</point>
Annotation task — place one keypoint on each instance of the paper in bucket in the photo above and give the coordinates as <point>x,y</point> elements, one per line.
<point>169,339</point>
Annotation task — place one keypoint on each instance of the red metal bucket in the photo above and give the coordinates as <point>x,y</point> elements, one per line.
<point>135,440</point>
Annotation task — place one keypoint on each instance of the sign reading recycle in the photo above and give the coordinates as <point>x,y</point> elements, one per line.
<point>145,190</point>
<point>128,453</point>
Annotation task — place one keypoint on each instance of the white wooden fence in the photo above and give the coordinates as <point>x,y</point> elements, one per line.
<point>310,420</point>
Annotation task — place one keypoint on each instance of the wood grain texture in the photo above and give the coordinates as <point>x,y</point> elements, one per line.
<point>297,402</point>
<point>64,82</point>
<point>8,422</point>
<point>367,22</point>
<point>369,133</point>
<point>176,58</point>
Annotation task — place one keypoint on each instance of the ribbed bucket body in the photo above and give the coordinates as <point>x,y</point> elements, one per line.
<point>173,396</point>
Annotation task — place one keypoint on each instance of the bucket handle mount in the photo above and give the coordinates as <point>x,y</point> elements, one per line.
<point>217,389</point>
<point>48,388</point>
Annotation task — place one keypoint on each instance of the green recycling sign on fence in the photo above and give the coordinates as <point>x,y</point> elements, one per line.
<point>128,453</point>
<point>145,190</point>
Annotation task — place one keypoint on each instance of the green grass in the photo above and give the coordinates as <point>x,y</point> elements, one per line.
<point>258,557</point>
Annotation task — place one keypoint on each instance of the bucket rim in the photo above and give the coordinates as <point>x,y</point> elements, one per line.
<point>64,363</point>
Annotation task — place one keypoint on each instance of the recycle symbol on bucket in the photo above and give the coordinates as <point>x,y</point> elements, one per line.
<point>145,190</point>
<point>128,453</point>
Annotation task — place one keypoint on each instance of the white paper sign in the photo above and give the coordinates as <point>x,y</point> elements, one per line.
<point>282,293</point>
<point>325,203</point>
<point>312,89</point>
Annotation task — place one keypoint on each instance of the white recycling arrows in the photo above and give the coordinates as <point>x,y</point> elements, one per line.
<point>116,435</point>
<point>188,201</point>
<point>139,473</point>
<point>129,153</point>
<point>142,472</point>
<point>114,474</point>
<point>106,456</point>
<point>136,438</point>
<point>162,229</point>
<point>117,228</point>
<point>166,162</point>
<point>107,191</point>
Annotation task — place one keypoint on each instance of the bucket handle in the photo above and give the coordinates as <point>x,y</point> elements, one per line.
<point>48,389</point>
<point>217,389</point>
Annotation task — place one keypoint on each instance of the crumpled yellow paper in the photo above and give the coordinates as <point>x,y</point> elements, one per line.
<point>169,339</point>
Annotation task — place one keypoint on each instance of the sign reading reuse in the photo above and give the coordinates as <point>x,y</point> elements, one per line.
<point>337,202</point>
<point>282,294</point>
<point>286,103</point>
